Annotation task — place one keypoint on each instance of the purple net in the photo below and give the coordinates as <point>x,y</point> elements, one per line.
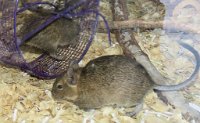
<point>45,66</point>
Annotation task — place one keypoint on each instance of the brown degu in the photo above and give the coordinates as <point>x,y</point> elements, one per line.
<point>113,80</point>
<point>61,33</point>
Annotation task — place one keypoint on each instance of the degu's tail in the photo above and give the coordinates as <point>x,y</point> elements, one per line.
<point>188,81</point>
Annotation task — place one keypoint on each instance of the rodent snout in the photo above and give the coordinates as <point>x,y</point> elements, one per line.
<point>55,95</point>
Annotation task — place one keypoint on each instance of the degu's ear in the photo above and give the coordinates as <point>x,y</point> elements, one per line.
<point>72,72</point>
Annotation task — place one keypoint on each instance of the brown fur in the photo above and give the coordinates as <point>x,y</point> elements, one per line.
<point>108,80</point>
<point>62,32</point>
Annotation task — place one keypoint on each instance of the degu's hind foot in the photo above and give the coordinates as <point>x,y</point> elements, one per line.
<point>135,110</point>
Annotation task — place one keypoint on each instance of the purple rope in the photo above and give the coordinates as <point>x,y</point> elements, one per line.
<point>14,34</point>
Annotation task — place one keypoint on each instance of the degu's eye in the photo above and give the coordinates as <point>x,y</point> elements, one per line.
<point>59,86</point>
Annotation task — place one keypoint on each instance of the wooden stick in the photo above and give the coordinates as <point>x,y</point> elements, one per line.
<point>136,23</point>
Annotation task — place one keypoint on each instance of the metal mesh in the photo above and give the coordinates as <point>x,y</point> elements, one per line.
<point>44,66</point>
